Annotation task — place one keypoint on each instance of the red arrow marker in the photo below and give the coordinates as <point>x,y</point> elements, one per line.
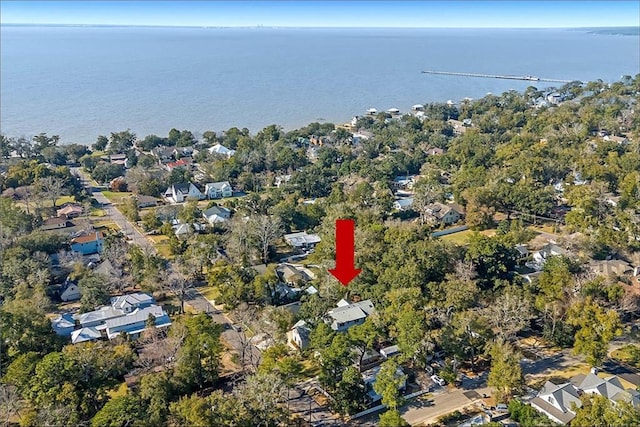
<point>345,270</point>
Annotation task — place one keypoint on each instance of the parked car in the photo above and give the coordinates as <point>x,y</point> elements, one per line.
<point>436,379</point>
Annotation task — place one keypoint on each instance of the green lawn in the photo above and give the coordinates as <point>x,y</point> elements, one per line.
<point>106,224</point>
<point>210,292</point>
<point>461,238</point>
<point>120,391</point>
<point>97,212</point>
<point>116,197</point>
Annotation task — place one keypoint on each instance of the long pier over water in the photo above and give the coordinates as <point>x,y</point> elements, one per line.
<point>498,76</point>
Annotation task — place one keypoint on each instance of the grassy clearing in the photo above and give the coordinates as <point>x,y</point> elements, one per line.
<point>65,199</point>
<point>164,251</point>
<point>97,212</point>
<point>120,391</point>
<point>559,375</point>
<point>106,224</point>
<point>158,239</point>
<point>210,292</point>
<point>309,369</point>
<point>461,238</point>
<point>629,354</point>
<point>116,197</point>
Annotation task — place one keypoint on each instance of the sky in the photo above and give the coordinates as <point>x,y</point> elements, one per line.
<point>427,14</point>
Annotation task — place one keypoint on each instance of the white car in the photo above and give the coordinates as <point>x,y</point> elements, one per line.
<point>436,379</point>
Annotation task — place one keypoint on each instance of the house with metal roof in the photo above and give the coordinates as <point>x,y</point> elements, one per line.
<point>128,314</point>
<point>347,314</point>
<point>302,240</point>
<point>557,402</point>
<point>216,215</point>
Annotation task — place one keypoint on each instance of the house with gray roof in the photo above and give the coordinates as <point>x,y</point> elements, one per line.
<point>557,402</point>
<point>64,324</point>
<point>218,190</point>
<point>178,193</point>
<point>216,215</point>
<point>135,322</point>
<point>298,335</point>
<point>84,335</point>
<point>302,240</point>
<point>127,314</point>
<point>347,314</point>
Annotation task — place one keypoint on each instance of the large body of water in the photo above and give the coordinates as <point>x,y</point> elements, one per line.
<point>79,82</point>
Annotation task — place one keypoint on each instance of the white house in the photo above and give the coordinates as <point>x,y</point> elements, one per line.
<point>443,214</point>
<point>403,204</point>
<point>556,402</point>
<point>127,314</point>
<point>216,215</point>
<point>540,257</point>
<point>218,190</point>
<point>302,240</point>
<point>298,335</point>
<point>281,180</point>
<point>64,324</point>
<point>70,291</point>
<point>85,334</point>
<point>222,150</point>
<point>347,315</point>
<point>178,193</point>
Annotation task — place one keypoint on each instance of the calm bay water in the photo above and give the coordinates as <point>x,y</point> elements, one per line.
<point>79,82</point>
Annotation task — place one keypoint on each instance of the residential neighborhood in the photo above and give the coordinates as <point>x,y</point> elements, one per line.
<point>492,274</point>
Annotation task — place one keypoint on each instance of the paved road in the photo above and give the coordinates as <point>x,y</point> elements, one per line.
<point>236,340</point>
<point>194,298</point>
<point>303,405</point>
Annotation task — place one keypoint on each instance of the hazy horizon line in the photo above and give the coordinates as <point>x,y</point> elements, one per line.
<point>34,24</point>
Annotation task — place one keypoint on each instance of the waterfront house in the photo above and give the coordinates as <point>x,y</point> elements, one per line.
<point>218,190</point>
<point>221,150</point>
<point>178,193</point>
<point>88,244</point>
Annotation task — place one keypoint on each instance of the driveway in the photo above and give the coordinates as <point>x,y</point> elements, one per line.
<point>426,411</point>
<point>305,407</point>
